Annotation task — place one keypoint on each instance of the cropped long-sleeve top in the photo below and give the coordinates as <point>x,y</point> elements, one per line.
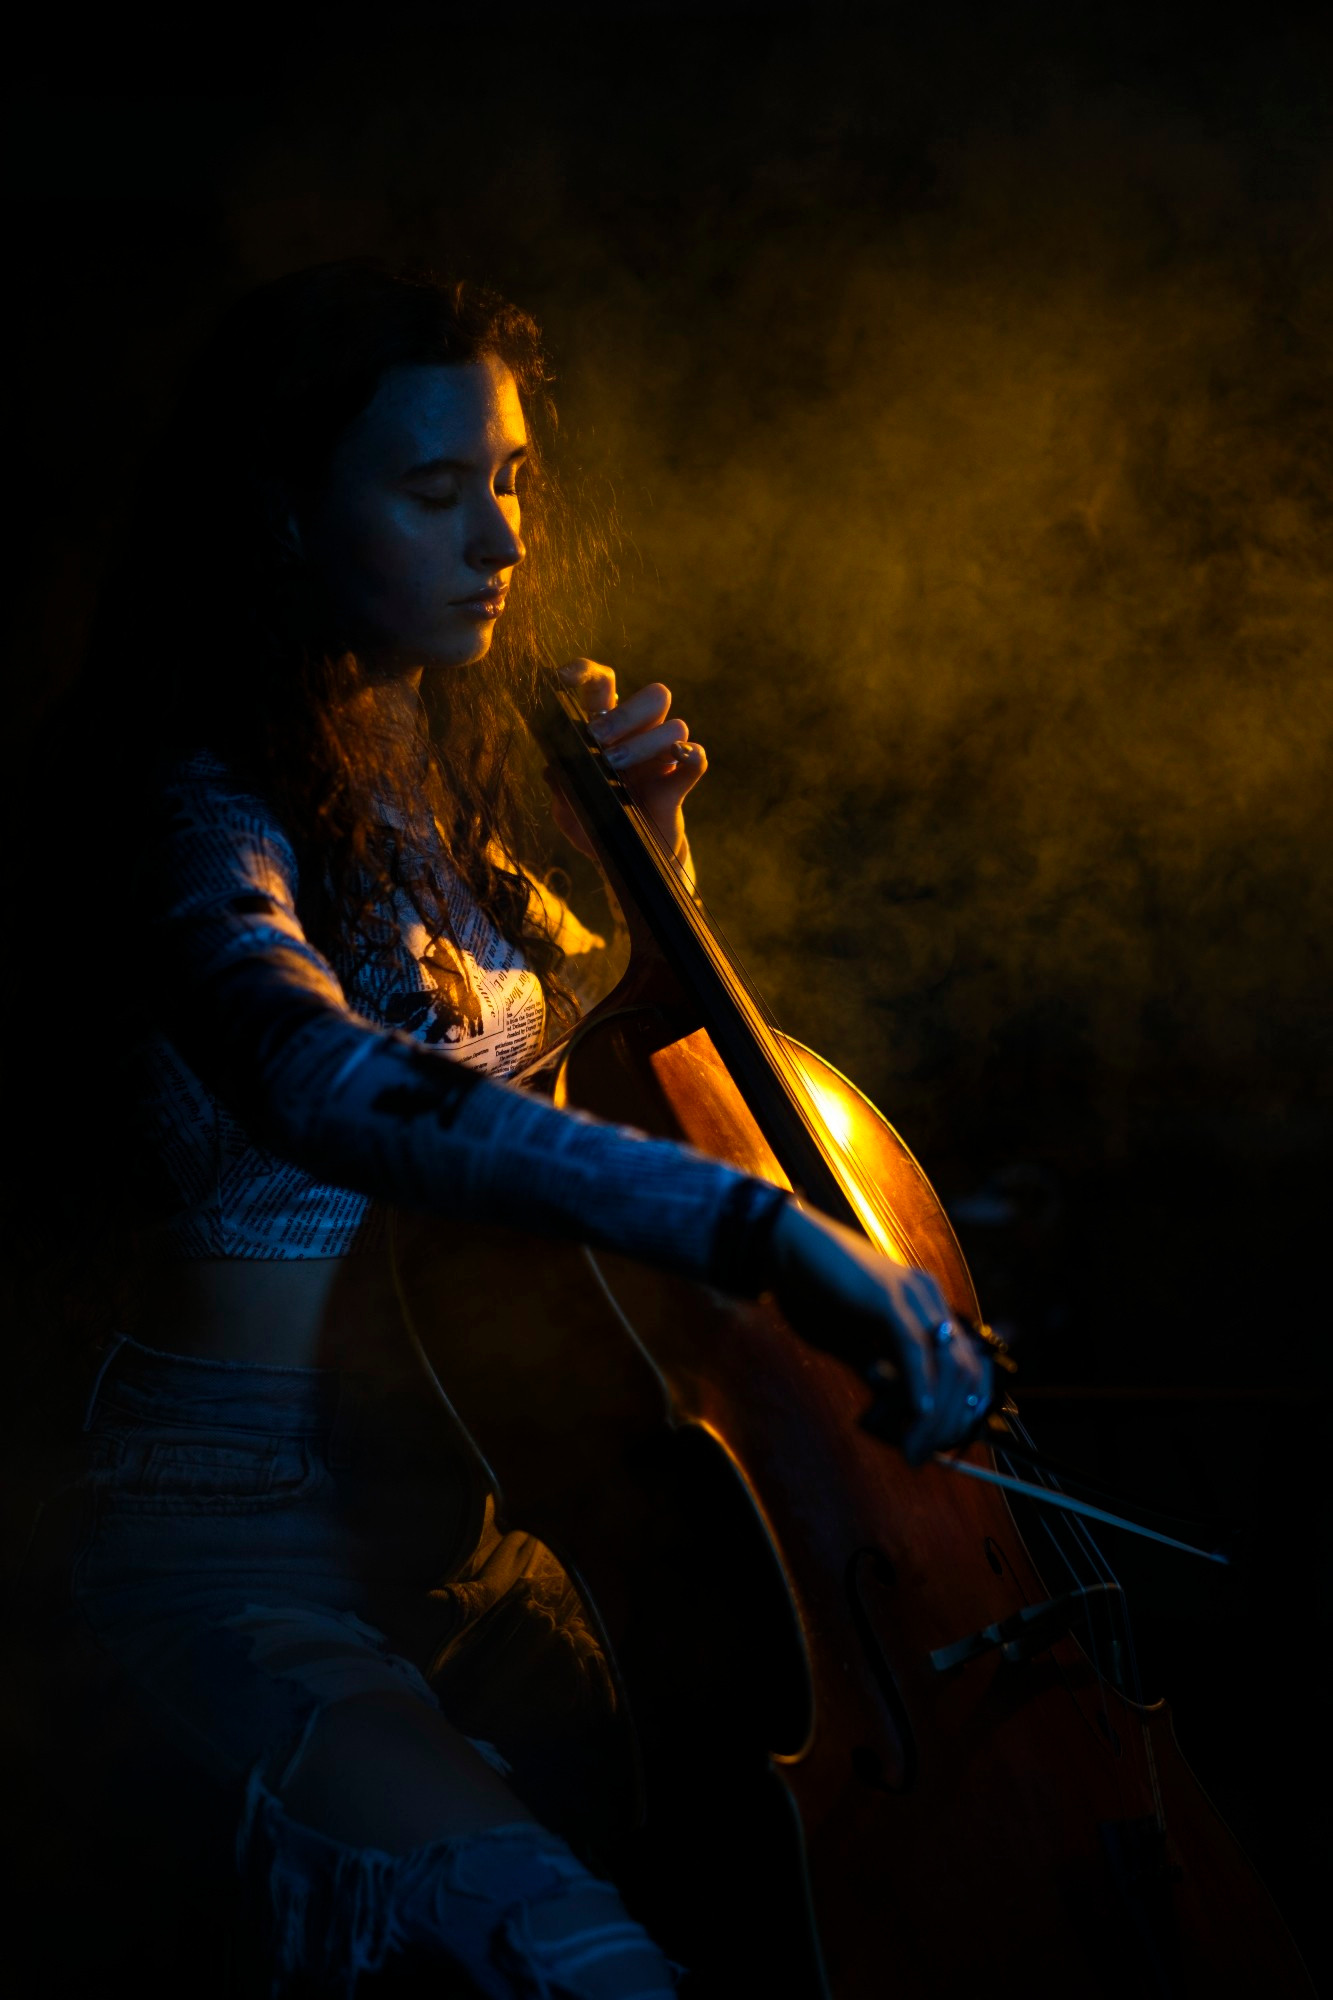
<point>281,1097</point>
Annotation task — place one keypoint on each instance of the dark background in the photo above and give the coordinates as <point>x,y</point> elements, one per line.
<point>962,387</point>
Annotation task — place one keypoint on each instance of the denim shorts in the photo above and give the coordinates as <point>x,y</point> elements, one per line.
<point>225,1549</point>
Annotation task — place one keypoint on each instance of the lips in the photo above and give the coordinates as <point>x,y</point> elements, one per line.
<point>486,603</point>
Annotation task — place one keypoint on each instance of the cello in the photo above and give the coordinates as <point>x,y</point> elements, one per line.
<point>878,1730</point>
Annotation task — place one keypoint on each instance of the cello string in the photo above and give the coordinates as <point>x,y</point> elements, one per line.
<point>1038,1462</point>
<point>842,1163</point>
<point>1103,1568</point>
<point>1068,1537</point>
<point>1060,1529</point>
<point>863,1192</point>
<point>1050,1477</point>
<point>1084,1558</point>
<point>710,937</point>
<point>1129,1679</point>
<point>1076,1553</point>
<point>732,972</point>
<point>1055,1528</point>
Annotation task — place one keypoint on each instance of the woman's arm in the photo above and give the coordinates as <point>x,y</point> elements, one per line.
<point>261,1017</point>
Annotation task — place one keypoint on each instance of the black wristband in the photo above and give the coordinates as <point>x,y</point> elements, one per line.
<point>742,1241</point>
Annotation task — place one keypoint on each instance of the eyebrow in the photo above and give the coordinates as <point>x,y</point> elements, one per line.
<point>431,465</point>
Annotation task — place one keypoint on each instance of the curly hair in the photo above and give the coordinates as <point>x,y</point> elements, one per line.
<point>211,627</point>
<point>208,637</point>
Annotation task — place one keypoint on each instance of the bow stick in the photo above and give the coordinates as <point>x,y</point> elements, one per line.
<point>1052,1497</point>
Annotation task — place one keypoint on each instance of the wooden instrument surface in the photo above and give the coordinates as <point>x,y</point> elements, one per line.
<point>877,1740</point>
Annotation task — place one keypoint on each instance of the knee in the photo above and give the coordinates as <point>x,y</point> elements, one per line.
<point>389,1772</point>
<point>510,1908</point>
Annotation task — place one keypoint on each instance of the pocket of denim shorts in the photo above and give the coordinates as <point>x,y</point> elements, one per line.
<point>198,1473</point>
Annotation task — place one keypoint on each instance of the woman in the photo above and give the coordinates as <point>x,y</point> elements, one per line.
<point>326,957</point>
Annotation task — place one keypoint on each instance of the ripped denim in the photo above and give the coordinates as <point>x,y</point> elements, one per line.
<point>237,1548</point>
<point>512,1907</point>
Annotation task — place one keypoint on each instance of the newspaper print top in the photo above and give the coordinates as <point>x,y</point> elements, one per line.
<point>274,1113</point>
<point>216,1191</point>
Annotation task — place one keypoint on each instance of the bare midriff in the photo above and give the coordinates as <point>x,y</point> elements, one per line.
<point>314,1312</point>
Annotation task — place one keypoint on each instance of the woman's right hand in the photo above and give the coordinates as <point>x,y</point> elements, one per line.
<point>840,1294</point>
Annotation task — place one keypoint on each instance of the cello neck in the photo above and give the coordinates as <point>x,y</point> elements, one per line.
<point>707,973</point>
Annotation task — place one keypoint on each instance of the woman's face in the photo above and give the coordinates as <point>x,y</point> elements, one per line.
<point>415,536</point>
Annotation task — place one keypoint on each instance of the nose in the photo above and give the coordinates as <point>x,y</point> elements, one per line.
<point>494,542</point>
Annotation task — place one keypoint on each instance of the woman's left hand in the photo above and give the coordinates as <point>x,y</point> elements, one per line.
<point>649,747</point>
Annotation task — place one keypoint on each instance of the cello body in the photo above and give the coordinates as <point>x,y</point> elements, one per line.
<point>867,1745</point>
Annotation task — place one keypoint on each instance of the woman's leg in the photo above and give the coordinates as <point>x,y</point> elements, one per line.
<point>390,1843</point>
<point>383,1770</point>
<point>230,1530</point>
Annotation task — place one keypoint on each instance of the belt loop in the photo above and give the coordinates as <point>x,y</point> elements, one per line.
<point>114,1343</point>
<point>346,1421</point>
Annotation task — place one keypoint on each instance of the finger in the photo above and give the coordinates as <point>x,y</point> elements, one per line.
<point>984,1393</point>
<point>658,747</point>
<point>965,1389</point>
<point>594,684</point>
<point>690,765</point>
<point>643,709</point>
<point>921,1309</point>
<point>952,1359</point>
<point>979,1389</point>
<point>926,1296</point>
<point>666,781</point>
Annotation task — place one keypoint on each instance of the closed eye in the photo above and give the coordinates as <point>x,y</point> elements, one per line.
<point>436,502</point>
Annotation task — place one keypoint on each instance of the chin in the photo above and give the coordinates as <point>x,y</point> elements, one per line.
<point>456,649</point>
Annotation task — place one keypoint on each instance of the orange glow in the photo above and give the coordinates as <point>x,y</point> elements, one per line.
<point>843,1112</point>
